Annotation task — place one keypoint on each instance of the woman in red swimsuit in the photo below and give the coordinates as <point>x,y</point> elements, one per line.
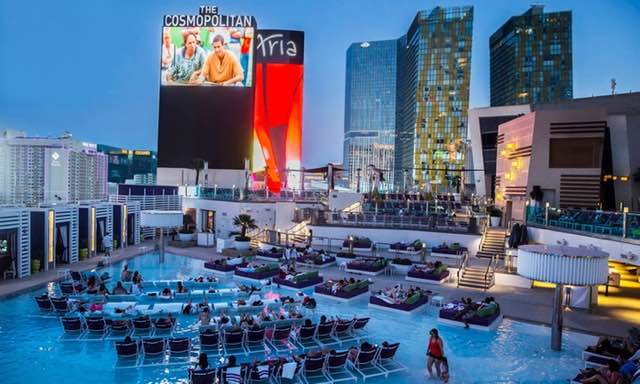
<point>435,352</point>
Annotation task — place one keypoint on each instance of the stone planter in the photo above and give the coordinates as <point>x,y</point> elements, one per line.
<point>495,221</point>
<point>185,236</point>
<point>242,245</point>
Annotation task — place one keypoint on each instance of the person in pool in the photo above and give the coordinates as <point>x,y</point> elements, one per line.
<point>435,352</point>
<point>119,289</point>
<point>204,318</point>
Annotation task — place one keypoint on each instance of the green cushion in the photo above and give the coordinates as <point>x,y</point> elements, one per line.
<point>488,310</point>
<point>305,276</point>
<point>413,299</point>
<point>440,269</point>
<point>350,287</point>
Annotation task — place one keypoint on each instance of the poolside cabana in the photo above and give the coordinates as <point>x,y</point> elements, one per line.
<point>15,243</point>
<point>126,224</point>
<point>95,220</point>
<point>54,236</point>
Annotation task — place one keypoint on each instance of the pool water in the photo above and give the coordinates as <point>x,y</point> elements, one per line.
<point>30,350</point>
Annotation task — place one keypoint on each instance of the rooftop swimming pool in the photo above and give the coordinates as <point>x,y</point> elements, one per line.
<point>31,349</point>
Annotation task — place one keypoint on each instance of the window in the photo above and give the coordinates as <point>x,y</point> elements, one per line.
<point>575,152</point>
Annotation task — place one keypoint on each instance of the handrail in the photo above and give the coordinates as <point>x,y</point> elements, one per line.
<point>484,234</point>
<point>489,267</point>
<point>463,264</point>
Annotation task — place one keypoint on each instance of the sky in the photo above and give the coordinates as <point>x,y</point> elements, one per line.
<point>91,67</point>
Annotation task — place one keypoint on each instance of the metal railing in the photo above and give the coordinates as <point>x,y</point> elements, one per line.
<point>462,266</point>
<point>490,268</point>
<point>623,225</point>
<point>436,222</point>
<point>237,194</point>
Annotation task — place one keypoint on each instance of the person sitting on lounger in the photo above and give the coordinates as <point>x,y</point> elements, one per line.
<point>187,309</point>
<point>125,275</point>
<point>92,287</point>
<point>606,375</point>
<point>180,288</point>
<point>166,293</point>
<point>203,362</point>
<point>204,318</point>
<point>119,289</point>
<point>169,321</point>
<point>102,289</point>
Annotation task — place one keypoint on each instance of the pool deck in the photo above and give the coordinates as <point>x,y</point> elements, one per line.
<point>530,305</point>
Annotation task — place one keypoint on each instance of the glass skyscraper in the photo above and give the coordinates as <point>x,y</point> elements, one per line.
<point>434,63</point>
<point>531,59</point>
<point>370,112</point>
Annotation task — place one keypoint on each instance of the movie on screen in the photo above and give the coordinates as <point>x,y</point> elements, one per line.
<point>207,56</point>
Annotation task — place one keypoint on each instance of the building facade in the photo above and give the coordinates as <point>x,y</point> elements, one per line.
<point>126,165</point>
<point>370,112</point>
<point>50,170</point>
<point>434,63</point>
<point>531,59</point>
<point>483,136</point>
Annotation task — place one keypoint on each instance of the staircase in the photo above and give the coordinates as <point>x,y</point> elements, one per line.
<point>478,276</point>
<point>492,243</point>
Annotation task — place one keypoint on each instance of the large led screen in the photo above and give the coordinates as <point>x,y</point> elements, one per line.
<point>206,90</point>
<point>207,56</point>
<point>277,116</point>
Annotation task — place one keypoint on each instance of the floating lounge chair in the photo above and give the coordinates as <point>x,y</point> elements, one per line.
<point>305,337</point>
<point>44,303</point>
<point>60,304</point>
<point>342,331</point>
<point>313,370</point>
<point>73,326</point>
<point>324,334</point>
<point>233,342</point>
<point>365,364</point>
<point>164,327</point>
<point>255,341</point>
<point>280,339</point>
<point>179,349</point>
<point>142,326</point>
<point>357,330</point>
<point>210,341</point>
<point>127,349</point>
<point>153,347</point>
<point>261,374</point>
<point>207,376</point>
<point>287,373</point>
<point>121,328</point>
<point>97,326</point>
<point>336,367</point>
<point>233,375</point>
<point>386,359</point>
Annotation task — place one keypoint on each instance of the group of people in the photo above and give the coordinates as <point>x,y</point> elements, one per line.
<point>190,64</point>
<point>398,293</point>
<point>337,285</point>
<point>623,364</point>
<point>487,307</point>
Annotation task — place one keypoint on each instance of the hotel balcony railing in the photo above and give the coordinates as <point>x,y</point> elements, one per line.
<point>436,223</point>
<point>235,194</point>
<point>623,225</point>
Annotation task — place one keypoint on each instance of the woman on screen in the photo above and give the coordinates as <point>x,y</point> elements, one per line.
<point>187,62</point>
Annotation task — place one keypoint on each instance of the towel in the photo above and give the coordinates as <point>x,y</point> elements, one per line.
<point>233,375</point>
<point>289,370</point>
<point>263,371</point>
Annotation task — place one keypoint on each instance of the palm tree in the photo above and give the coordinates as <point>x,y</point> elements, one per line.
<point>245,222</point>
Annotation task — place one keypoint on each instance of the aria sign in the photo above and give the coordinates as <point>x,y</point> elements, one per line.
<point>278,46</point>
<point>208,16</point>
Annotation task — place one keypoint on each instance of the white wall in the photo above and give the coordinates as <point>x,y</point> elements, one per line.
<point>263,213</point>
<point>472,242</point>
<point>339,200</point>
<point>224,178</point>
<point>614,248</point>
<point>284,215</point>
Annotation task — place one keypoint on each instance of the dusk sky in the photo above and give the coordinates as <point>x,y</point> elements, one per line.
<point>92,67</point>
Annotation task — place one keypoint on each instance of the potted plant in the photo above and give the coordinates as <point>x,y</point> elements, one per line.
<point>245,222</point>
<point>185,233</point>
<point>495,214</point>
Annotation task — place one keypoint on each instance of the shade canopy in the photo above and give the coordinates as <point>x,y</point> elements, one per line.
<point>160,219</point>
<point>563,265</point>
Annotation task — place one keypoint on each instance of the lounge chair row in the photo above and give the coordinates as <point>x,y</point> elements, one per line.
<point>100,328</point>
